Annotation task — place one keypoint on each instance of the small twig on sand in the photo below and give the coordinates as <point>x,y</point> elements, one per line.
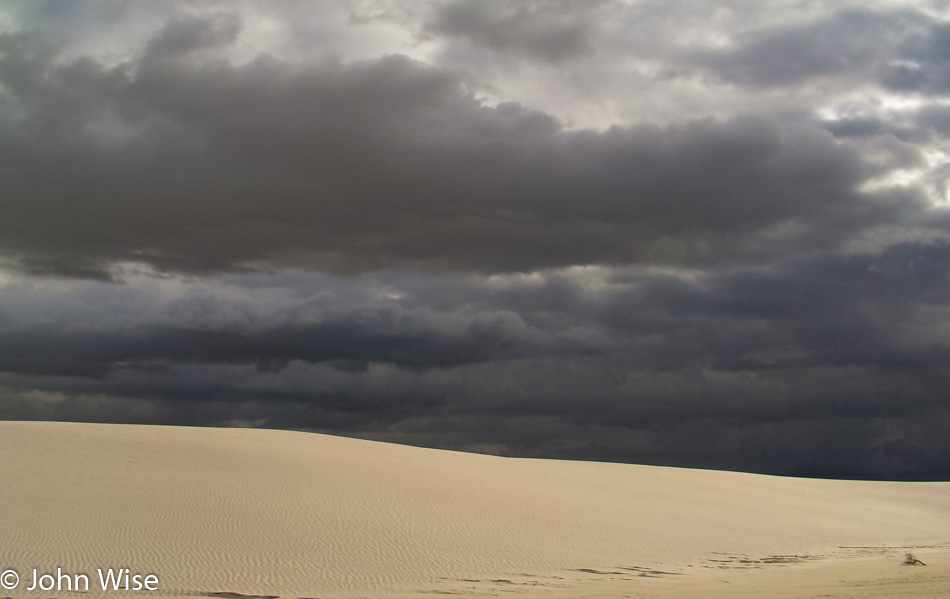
<point>911,560</point>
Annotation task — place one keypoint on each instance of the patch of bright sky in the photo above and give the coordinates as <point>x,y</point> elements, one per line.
<point>901,177</point>
<point>937,177</point>
<point>931,178</point>
<point>595,279</point>
<point>892,108</point>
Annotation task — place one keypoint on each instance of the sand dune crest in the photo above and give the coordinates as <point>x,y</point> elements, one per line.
<point>275,513</point>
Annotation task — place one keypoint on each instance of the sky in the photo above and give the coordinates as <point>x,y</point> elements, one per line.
<point>677,232</point>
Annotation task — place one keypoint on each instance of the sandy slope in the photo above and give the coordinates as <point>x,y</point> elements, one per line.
<point>304,515</point>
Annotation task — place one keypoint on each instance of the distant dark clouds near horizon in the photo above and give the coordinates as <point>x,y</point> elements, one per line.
<point>682,233</point>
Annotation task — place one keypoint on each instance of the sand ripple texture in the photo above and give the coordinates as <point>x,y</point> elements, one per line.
<point>263,512</point>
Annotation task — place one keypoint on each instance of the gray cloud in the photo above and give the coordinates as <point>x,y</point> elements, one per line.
<point>920,63</point>
<point>202,165</point>
<point>616,364</point>
<point>182,36</point>
<point>847,44</point>
<point>666,232</point>
<point>548,31</point>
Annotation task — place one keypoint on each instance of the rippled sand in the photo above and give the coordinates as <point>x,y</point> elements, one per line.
<point>276,513</point>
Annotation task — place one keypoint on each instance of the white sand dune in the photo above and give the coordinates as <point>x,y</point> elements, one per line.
<point>304,515</point>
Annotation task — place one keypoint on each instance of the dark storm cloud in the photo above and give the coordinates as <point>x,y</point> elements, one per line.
<point>348,327</point>
<point>863,311</point>
<point>834,310</point>
<point>746,270</point>
<point>671,369</point>
<point>370,334</point>
<point>188,162</point>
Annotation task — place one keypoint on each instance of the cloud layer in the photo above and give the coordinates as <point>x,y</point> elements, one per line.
<point>707,234</point>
